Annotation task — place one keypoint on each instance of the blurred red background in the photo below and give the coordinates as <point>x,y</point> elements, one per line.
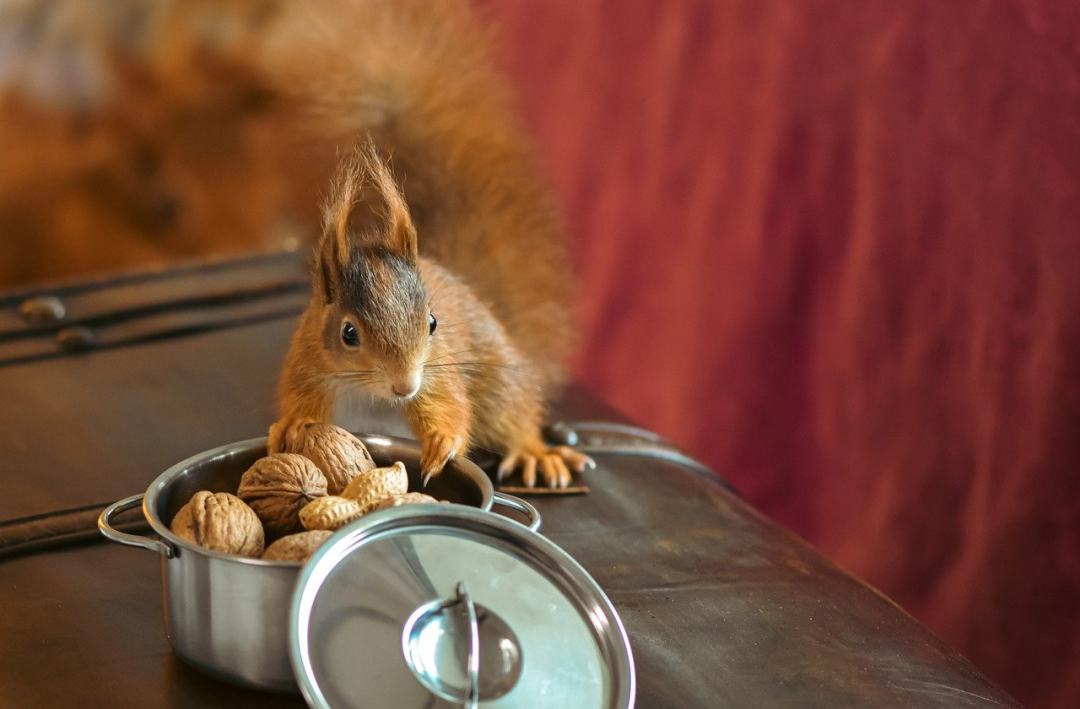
<point>833,249</point>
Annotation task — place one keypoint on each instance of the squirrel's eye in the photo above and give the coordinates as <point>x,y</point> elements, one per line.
<point>349,335</point>
<point>431,323</point>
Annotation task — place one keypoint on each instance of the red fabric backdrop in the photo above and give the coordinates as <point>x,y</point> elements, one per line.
<point>833,248</point>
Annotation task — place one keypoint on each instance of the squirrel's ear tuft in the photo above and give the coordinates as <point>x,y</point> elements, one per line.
<point>339,213</point>
<point>395,229</point>
<point>367,207</point>
<point>400,233</point>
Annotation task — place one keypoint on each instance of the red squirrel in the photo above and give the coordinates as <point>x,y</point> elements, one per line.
<point>441,278</point>
<point>384,319</point>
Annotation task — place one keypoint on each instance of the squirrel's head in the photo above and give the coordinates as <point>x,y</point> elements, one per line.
<point>377,322</point>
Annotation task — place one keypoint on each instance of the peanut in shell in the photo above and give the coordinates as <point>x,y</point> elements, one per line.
<point>296,547</point>
<point>374,486</point>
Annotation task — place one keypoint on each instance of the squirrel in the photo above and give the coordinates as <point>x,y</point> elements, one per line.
<point>372,324</point>
<point>450,297</point>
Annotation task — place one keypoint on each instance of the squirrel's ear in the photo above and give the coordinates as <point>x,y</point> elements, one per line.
<point>365,208</point>
<point>403,236</point>
<point>396,230</point>
<point>327,266</point>
<point>339,216</point>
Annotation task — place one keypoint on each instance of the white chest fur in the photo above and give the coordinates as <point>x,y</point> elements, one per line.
<point>357,410</point>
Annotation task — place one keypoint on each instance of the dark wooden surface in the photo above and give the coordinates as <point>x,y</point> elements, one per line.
<point>723,608</point>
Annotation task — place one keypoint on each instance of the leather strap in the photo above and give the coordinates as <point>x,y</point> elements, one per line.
<point>61,528</point>
<point>68,319</point>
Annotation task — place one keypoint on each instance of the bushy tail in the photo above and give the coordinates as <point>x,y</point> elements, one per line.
<point>416,76</point>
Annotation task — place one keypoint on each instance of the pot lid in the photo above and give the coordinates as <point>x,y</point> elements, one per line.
<point>450,606</point>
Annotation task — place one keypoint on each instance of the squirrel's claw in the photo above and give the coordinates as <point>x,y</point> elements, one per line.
<point>528,471</point>
<point>437,450</point>
<point>506,467</point>
<point>555,465</point>
<point>556,474</point>
<point>578,462</point>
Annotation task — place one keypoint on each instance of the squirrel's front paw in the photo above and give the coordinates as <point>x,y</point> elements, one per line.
<point>438,449</point>
<point>285,434</point>
<point>554,463</point>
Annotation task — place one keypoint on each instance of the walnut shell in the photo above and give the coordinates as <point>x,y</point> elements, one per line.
<point>330,512</point>
<point>340,455</point>
<point>296,547</point>
<point>409,498</point>
<point>277,486</point>
<point>374,486</point>
<point>220,522</point>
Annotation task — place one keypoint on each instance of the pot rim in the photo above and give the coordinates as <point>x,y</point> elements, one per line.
<point>165,479</point>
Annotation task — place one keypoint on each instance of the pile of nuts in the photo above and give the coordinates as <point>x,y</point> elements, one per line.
<point>297,499</point>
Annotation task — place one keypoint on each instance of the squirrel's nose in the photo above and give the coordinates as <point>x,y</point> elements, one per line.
<point>407,386</point>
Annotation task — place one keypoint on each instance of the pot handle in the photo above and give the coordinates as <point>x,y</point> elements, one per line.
<point>104,524</point>
<point>516,503</point>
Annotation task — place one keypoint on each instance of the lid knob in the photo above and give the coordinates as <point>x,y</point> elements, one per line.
<point>445,642</point>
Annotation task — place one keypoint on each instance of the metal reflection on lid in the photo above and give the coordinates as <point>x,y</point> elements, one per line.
<point>445,606</point>
<point>460,650</point>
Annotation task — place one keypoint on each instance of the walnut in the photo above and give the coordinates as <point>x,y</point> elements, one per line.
<point>330,512</point>
<point>409,498</point>
<point>336,452</point>
<point>374,486</point>
<point>220,522</point>
<point>296,547</point>
<point>277,486</point>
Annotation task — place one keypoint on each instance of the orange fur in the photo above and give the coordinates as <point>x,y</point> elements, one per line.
<point>212,125</point>
<point>417,77</point>
<point>478,386</point>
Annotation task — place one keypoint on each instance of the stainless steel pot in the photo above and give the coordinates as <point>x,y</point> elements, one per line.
<point>228,615</point>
